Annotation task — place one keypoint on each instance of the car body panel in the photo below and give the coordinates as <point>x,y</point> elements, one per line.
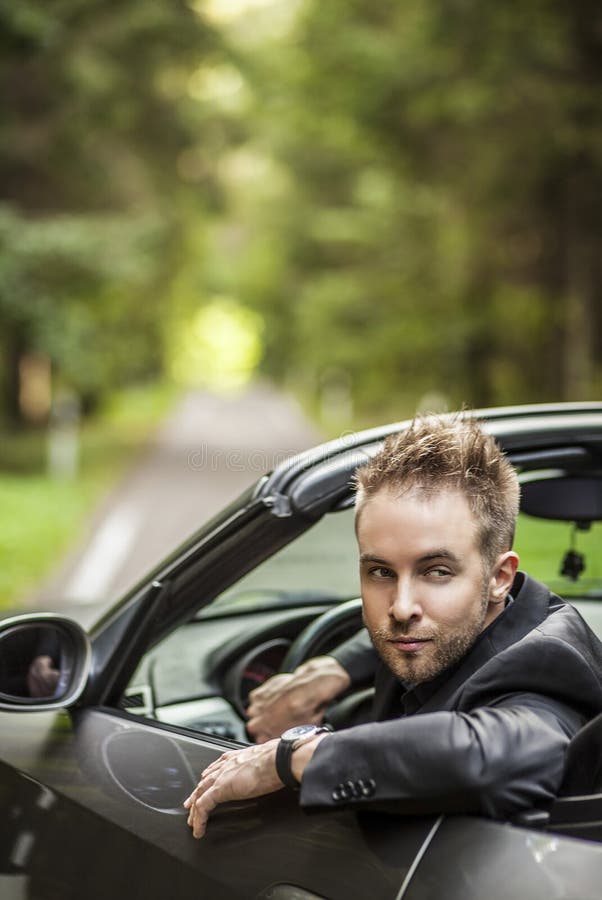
<point>104,789</point>
<point>101,782</point>
<point>473,859</point>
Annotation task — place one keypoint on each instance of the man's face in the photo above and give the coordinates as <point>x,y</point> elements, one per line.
<point>426,595</point>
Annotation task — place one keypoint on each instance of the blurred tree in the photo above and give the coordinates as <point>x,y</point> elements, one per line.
<point>69,283</point>
<point>99,137</point>
<point>423,212</point>
<point>407,193</point>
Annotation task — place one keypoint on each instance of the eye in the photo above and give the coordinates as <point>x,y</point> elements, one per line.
<point>439,572</point>
<point>381,572</point>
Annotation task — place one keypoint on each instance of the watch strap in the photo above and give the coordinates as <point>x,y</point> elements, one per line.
<point>284,756</point>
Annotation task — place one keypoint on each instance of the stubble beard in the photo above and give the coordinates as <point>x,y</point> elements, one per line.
<point>442,651</point>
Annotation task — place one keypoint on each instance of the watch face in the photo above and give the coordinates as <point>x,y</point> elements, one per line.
<point>298,731</point>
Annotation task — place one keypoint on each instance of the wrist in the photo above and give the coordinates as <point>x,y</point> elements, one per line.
<point>294,739</point>
<point>303,755</point>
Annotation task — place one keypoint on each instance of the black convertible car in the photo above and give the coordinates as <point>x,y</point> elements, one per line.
<point>92,776</point>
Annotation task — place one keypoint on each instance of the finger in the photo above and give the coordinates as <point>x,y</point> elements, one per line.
<point>190,799</point>
<point>257,706</point>
<point>254,725</point>
<point>258,693</point>
<point>202,787</point>
<point>215,765</point>
<point>201,809</point>
<point>270,688</point>
<point>189,818</point>
<point>206,780</point>
<point>204,784</point>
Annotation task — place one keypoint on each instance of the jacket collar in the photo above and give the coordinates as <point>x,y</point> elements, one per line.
<point>528,607</point>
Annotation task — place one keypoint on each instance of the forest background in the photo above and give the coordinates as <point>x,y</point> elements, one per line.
<point>375,204</point>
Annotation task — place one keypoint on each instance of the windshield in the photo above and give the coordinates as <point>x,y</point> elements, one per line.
<point>321,566</point>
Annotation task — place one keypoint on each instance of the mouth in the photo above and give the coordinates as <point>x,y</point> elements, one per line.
<point>409,644</point>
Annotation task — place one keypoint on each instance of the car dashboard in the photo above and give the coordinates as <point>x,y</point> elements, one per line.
<point>200,677</point>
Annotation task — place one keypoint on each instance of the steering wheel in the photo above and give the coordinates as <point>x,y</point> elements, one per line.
<point>323,634</point>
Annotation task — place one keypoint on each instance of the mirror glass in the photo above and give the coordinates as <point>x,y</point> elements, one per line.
<point>30,662</point>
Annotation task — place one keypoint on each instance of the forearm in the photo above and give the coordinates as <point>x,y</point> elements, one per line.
<point>495,761</point>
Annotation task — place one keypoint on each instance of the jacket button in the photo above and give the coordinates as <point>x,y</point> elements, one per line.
<point>341,792</point>
<point>367,786</point>
<point>353,788</point>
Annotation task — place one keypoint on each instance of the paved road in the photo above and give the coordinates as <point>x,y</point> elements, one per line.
<point>208,450</point>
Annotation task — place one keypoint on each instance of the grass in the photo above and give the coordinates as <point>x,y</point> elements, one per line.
<point>40,516</point>
<point>542,546</point>
<point>38,519</point>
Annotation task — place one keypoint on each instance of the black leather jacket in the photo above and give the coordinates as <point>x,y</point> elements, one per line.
<point>488,736</point>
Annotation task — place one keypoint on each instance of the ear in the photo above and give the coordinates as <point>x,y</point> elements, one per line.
<point>502,576</point>
<point>500,582</point>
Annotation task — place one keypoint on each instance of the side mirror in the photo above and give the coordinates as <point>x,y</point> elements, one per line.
<point>44,662</point>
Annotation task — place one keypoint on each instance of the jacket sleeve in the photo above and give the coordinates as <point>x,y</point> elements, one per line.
<point>358,657</point>
<point>495,760</point>
<point>496,747</point>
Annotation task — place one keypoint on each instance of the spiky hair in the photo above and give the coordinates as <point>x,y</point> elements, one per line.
<point>438,453</point>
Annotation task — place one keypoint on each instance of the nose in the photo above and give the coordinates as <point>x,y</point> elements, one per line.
<point>405,603</point>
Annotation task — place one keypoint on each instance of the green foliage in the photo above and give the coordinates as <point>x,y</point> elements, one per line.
<point>430,227</point>
<point>88,120</point>
<point>69,283</point>
<point>39,520</point>
<point>97,118</point>
<point>406,192</point>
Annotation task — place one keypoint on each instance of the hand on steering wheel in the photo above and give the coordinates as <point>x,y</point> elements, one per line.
<point>301,696</point>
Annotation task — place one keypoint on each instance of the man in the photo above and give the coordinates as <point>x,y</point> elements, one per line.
<point>485,676</point>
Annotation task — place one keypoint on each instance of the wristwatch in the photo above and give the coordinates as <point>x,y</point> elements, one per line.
<point>289,741</point>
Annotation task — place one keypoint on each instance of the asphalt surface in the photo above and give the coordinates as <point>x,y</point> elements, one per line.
<point>203,456</point>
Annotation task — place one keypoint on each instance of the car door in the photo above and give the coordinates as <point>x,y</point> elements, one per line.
<point>91,806</point>
<point>92,798</point>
